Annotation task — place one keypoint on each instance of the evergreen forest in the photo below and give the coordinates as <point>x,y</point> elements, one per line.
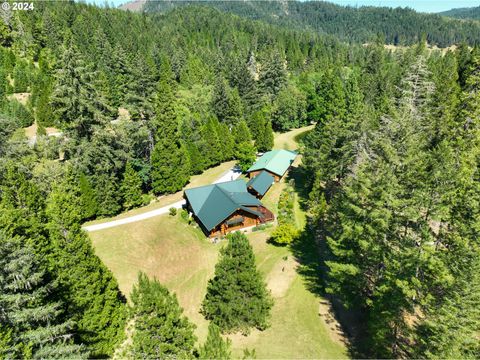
<point>103,110</point>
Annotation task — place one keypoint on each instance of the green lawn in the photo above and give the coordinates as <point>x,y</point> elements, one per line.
<point>182,258</point>
<point>289,140</point>
<point>177,254</point>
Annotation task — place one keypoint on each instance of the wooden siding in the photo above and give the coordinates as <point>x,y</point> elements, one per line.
<point>256,172</point>
<point>248,220</point>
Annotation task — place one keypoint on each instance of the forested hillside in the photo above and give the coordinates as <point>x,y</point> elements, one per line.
<point>463,13</point>
<point>399,26</point>
<point>135,116</point>
<point>140,102</point>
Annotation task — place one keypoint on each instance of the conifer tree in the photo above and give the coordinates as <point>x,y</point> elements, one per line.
<point>43,108</point>
<point>450,329</point>
<point>169,159</point>
<point>334,141</point>
<point>241,132</point>
<point>42,91</point>
<point>131,188</point>
<point>273,74</point>
<point>226,102</point>
<point>215,347</point>
<point>246,155</point>
<point>139,98</point>
<point>237,298</point>
<point>264,140</point>
<point>446,96</point>
<point>247,88</point>
<point>77,103</point>
<point>91,293</point>
<point>257,121</point>
<point>108,196</point>
<point>160,328</point>
<point>197,159</point>
<point>165,120</point>
<point>122,76</point>
<point>35,325</point>
<point>227,140</point>
<point>328,99</point>
<point>387,259</point>
<point>3,87</point>
<point>212,146</point>
<point>220,103</point>
<point>22,204</point>
<point>170,167</point>
<point>20,75</point>
<point>88,197</point>
<point>235,113</point>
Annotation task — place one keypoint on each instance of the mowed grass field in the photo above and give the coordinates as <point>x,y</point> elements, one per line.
<point>184,260</point>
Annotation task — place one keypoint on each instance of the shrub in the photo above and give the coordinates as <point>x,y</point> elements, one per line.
<point>172,211</point>
<point>284,234</point>
<point>285,207</point>
<point>261,227</point>
<point>19,112</point>
<point>147,198</point>
<point>184,215</point>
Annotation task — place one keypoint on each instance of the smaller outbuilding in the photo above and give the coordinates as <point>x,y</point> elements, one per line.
<point>259,185</point>
<point>275,162</point>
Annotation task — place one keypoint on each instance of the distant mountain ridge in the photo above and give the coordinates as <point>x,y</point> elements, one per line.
<point>135,5</point>
<point>400,26</point>
<point>463,13</point>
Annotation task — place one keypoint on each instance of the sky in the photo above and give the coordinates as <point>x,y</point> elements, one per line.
<point>419,5</point>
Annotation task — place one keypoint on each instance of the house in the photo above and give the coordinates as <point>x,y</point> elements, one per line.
<point>275,162</point>
<point>224,207</point>
<point>259,185</point>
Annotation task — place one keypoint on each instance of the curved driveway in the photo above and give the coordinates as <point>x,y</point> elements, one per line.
<point>232,174</point>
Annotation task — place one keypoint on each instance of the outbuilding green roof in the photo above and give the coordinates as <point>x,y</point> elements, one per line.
<point>261,183</point>
<point>212,204</point>
<point>275,161</point>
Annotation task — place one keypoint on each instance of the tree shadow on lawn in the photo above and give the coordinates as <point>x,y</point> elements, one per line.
<point>299,138</point>
<point>311,252</point>
<point>299,178</point>
<point>311,256</point>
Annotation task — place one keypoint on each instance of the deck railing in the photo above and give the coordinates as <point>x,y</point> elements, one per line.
<point>267,215</point>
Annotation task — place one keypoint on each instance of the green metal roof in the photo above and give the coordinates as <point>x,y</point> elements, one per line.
<point>275,161</point>
<point>214,203</point>
<point>261,183</point>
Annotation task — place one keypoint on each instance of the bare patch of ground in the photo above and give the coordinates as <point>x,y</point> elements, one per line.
<point>281,277</point>
<point>22,98</point>
<point>31,131</point>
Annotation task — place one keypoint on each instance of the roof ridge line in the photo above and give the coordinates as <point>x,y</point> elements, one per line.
<point>210,193</point>
<point>227,194</point>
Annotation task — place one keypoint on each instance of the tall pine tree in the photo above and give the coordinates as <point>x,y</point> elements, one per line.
<point>237,298</point>
<point>160,328</point>
<point>36,323</point>
<point>170,161</point>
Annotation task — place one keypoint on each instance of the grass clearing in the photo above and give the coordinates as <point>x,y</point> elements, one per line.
<point>289,139</point>
<point>176,253</point>
<point>184,260</point>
